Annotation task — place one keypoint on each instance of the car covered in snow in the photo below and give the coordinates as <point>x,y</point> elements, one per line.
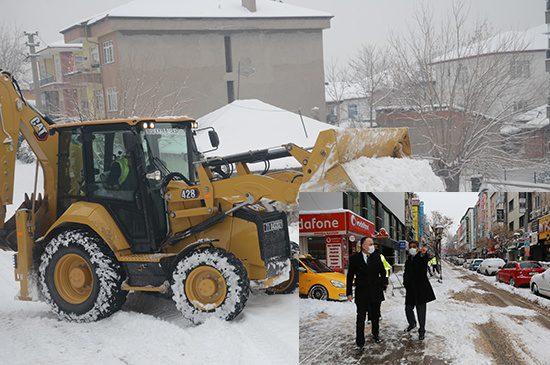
<point>490,266</point>
<point>474,265</point>
<point>467,263</point>
<point>540,283</point>
<point>318,281</point>
<point>519,273</point>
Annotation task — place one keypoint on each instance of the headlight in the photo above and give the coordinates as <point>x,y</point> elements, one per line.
<point>337,283</point>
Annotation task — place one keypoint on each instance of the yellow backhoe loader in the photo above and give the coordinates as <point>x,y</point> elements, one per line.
<point>131,205</point>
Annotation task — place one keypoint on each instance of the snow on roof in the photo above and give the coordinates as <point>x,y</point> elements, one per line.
<point>246,125</point>
<point>61,44</point>
<point>532,119</point>
<point>206,9</point>
<point>533,39</point>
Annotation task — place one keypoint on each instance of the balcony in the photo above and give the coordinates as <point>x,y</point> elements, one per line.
<point>47,80</point>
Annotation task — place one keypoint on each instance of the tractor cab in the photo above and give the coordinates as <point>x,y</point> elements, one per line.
<point>122,165</point>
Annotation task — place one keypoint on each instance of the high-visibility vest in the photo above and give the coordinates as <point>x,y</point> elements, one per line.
<point>387,265</point>
<point>433,261</point>
<point>124,169</point>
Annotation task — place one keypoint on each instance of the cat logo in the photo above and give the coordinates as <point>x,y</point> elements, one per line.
<point>40,129</point>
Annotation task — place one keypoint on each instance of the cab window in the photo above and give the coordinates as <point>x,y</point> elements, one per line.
<point>71,175</point>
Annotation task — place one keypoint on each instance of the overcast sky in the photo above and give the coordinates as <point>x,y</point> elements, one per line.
<point>355,21</point>
<point>453,205</point>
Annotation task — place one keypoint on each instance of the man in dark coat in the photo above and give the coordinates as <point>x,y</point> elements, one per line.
<point>367,270</point>
<point>418,287</point>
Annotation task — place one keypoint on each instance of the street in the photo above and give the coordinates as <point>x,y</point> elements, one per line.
<point>474,320</point>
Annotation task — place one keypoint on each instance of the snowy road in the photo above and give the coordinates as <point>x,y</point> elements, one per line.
<point>148,330</point>
<point>472,321</point>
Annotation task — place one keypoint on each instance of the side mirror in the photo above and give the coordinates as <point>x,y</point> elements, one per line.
<point>301,269</point>
<point>214,138</point>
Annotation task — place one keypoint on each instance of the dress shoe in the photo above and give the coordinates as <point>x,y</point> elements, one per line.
<point>410,328</point>
<point>421,336</point>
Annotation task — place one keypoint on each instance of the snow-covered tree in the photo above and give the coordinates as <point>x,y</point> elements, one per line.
<point>337,88</point>
<point>370,73</point>
<point>12,50</point>
<point>459,82</point>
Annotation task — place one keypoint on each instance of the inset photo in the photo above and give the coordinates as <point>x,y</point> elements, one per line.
<point>424,278</point>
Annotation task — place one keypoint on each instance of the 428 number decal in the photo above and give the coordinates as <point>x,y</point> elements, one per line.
<point>190,193</point>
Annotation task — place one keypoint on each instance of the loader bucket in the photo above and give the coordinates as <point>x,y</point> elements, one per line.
<point>324,170</point>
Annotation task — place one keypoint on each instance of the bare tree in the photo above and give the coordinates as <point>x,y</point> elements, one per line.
<point>150,94</point>
<point>337,87</point>
<point>370,74</point>
<point>12,50</point>
<point>460,84</point>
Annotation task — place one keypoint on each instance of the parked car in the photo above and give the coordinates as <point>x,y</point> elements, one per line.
<point>540,283</point>
<point>459,261</point>
<point>475,264</point>
<point>519,273</point>
<point>467,263</point>
<point>318,281</point>
<point>490,266</point>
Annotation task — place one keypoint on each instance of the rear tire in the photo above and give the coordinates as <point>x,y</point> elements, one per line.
<point>80,277</point>
<point>210,283</point>
<point>289,286</point>
<point>512,282</point>
<point>318,292</point>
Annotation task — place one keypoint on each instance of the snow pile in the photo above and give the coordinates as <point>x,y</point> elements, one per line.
<point>246,125</point>
<point>390,174</point>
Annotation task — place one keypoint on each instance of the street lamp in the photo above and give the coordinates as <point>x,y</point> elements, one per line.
<point>438,231</point>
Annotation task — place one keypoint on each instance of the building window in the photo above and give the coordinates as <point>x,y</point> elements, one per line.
<point>112,99</point>
<point>520,69</point>
<point>94,56</point>
<point>511,226</point>
<point>230,92</point>
<point>352,111</point>
<point>520,106</point>
<point>228,58</point>
<point>99,101</point>
<point>521,221</point>
<point>511,205</point>
<point>108,52</point>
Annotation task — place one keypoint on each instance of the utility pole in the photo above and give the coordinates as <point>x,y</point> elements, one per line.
<point>32,44</point>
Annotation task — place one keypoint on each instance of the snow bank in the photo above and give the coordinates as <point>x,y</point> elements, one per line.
<point>522,292</point>
<point>393,174</point>
<point>266,332</point>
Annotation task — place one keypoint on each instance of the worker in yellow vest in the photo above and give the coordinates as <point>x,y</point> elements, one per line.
<point>387,265</point>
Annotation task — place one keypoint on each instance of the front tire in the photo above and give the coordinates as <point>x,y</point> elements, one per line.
<point>80,277</point>
<point>210,283</point>
<point>535,289</point>
<point>512,282</point>
<point>318,292</point>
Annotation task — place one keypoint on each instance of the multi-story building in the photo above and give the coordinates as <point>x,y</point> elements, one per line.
<point>157,58</point>
<point>516,209</point>
<point>69,79</point>
<point>482,213</point>
<point>539,226</point>
<point>467,230</point>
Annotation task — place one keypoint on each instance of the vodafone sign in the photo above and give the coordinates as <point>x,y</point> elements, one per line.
<point>335,223</point>
<point>322,224</point>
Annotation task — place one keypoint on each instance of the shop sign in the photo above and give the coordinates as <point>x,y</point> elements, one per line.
<point>360,225</point>
<point>544,228</point>
<point>334,255</point>
<point>322,223</point>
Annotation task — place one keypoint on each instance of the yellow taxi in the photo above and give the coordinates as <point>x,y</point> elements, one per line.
<point>318,281</point>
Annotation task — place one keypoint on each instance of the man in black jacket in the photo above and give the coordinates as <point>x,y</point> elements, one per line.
<point>418,287</point>
<point>367,270</point>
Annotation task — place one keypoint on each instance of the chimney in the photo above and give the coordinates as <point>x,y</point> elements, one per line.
<point>250,5</point>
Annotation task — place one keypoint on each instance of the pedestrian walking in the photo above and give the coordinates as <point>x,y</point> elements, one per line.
<point>418,288</point>
<point>367,272</point>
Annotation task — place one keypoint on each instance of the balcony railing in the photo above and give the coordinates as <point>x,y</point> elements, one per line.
<point>47,80</point>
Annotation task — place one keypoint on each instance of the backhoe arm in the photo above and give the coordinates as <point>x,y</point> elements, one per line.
<point>17,116</point>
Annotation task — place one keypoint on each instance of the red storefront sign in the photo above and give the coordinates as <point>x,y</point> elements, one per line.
<point>334,223</point>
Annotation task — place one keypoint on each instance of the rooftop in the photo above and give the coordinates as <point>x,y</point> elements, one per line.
<point>206,9</point>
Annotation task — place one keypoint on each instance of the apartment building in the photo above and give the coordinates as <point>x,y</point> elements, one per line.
<point>192,57</point>
<point>70,82</point>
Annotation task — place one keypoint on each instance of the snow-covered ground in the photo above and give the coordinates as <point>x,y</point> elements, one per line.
<point>148,330</point>
<point>471,322</point>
